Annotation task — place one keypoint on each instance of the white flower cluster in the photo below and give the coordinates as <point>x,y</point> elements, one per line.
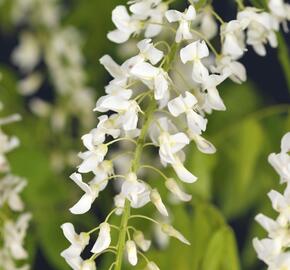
<point>44,39</point>
<point>12,232</point>
<point>144,106</point>
<point>274,250</point>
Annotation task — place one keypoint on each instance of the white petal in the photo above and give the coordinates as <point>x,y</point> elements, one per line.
<point>104,239</point>
<point>144,70</point>
<point>194,51</point>
<point>120,17</point>
<point>278,200</point>
<point>267,223</point>
<point>200,73</point>
<point>161,86</point>
<point>196,122</point>
<point>190,13</point>
<point>69,232</point>
<point>77,178</point>
<point>215,100</point>
<point>111,66</point>
<point>183,174</point>
<point>118,36</point>
<point>173,15</point>
<point>176,106</point>
<point>83,205</point>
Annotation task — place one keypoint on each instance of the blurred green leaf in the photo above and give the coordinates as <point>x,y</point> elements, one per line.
<point>221,243</point>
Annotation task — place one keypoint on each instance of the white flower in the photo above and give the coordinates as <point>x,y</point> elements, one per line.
<point>30,84</point>
<point>131,252</point>
<point>78,241</point>
<point>170,231</point>
<point>233,39</point>
<point>119,73</point>
<point>173,187</point>
<point>116,100</point>
<point>267,249</point>
<point>26,56</point>
<point>14,234</point>
<point>260,29</point>
<point>211,94</point>
<point>126,25</point>
<point>153,12</point>
<point>236,70</point>
<point>129,116</point>
<point>136,191</point>
<point>169,146</point>
<point>281,203</point>
<point>106,126</point>
<point>149,52</point>
<point>140,240</point>
<point>208,25</point>
<point>196,123</point>
<point>157,201</point>
<point>93,157</point>
<point>85,202</point>
<point>276,229</point>
<point>281,11</point>
<point>184,19</point>
<point>153,77</point>
<point>195,52</point>
<point>10,187</point>
<point>104,239</point>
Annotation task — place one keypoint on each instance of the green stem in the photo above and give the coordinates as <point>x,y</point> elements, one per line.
<point>284,56</point>
<point>240,4</point>
<point>134,168</point>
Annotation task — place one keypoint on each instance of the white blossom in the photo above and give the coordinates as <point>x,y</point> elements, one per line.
<point>184,19</point>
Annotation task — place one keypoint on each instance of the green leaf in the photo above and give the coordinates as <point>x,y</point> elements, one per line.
<point>240,154</point>
<point>222,242</point>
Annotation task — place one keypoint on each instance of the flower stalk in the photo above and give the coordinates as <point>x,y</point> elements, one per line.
<point>134,168</point>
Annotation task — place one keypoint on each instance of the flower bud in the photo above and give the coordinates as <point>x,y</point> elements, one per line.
<point>131,252</point>
<point>140,240</point>
<point>169,230</point>
<point>157,201</point>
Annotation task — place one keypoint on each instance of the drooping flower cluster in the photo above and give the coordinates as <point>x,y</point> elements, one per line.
<point>12,232</point>
<point>274,250</point>
<point>43,39</point>
<point>160,98</point>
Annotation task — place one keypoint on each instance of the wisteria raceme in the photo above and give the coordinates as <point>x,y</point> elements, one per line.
<point>43,38</point>
<point>158,98</point>
<point>13,220</point>
<point>273,250</point>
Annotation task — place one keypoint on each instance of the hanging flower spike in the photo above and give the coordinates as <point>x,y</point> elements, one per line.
<point>273,249</point>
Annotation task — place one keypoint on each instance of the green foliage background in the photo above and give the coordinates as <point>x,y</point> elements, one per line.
<point>232,185</point>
